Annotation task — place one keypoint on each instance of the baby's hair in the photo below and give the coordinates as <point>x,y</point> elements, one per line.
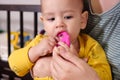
<point>85,5</point>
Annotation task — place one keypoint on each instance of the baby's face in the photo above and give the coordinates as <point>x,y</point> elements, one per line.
<point>62,15</point>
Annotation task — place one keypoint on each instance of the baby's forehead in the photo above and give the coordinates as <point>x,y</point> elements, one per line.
<point>75,3</point>
<point>79,2</point>
<point>72,1</point>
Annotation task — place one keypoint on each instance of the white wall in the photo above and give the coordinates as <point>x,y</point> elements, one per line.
<point>19,1</point>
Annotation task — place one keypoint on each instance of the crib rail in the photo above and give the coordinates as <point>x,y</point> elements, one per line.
<point>28,8</point>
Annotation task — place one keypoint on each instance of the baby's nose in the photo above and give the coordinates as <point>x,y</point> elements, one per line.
<point>60,23</point>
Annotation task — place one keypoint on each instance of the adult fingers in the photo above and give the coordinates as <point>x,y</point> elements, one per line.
<point>59,60</point>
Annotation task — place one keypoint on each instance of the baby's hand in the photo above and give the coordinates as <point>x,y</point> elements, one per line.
<point>46,46</point>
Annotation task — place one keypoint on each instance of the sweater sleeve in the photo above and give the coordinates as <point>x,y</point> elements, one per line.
<point>19,60</point>
<point>98,61</point>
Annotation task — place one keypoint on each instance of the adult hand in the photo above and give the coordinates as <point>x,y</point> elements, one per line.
<point>67,66</point>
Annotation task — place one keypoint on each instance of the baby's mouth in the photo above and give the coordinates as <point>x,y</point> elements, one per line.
<point>60,33</point>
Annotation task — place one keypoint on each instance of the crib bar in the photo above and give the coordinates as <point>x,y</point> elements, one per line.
<point>21,29</point>
<point>35,23</point>
<point>8,31</point>
<point>9,38</point>
<point>28,8</point>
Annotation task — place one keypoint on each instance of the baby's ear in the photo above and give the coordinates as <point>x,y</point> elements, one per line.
<point>41,18</point>
<point>84,18</point>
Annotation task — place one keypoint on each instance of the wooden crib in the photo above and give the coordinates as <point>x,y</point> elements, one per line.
<point>4,67</point>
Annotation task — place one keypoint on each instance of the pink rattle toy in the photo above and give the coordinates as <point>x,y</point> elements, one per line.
<point>64,37</point>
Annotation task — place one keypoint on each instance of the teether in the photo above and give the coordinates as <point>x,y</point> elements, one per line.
<point>64,37</point>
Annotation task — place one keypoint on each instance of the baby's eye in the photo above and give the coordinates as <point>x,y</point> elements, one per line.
<point>51,19</point>
<point>68,17</point>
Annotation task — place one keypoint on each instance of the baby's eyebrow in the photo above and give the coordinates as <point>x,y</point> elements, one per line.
<point>47,14</point>
<point>66,11</point>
